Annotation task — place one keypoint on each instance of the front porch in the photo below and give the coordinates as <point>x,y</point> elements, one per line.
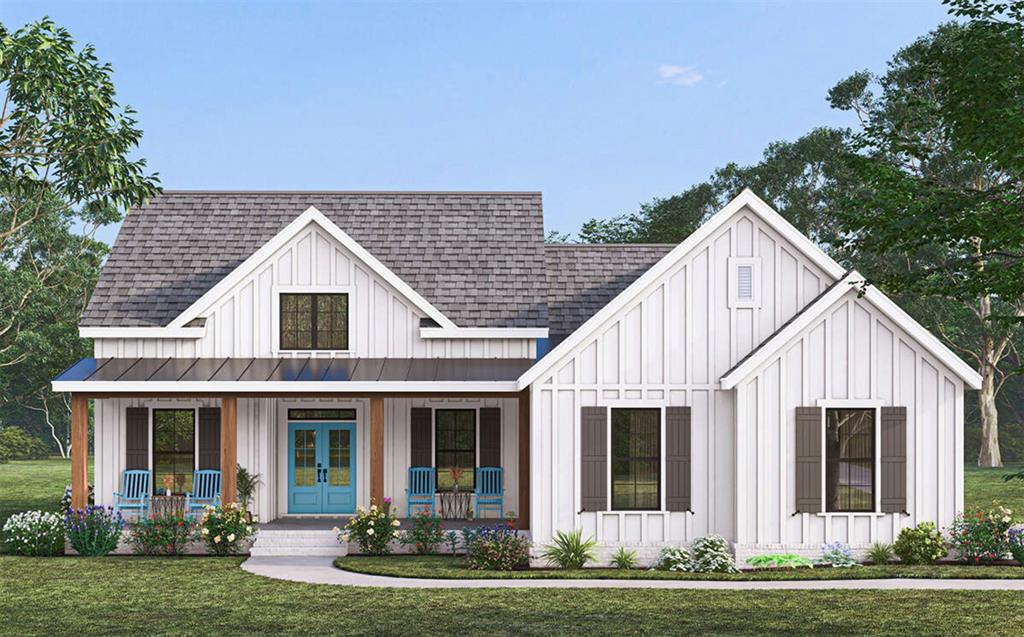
<point>384,435</point>
<point>330,523</point>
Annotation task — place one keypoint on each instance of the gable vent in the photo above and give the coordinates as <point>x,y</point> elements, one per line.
<point>745,282</point>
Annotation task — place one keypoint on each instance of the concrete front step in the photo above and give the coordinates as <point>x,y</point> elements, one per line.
<point>298,543</point>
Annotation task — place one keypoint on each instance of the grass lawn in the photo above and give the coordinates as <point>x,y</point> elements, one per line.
<point>214,596</point>
<point>445,566</point>
<point>33,485</point>
<point>982,486</point>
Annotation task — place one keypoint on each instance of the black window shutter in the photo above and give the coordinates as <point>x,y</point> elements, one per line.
<point>209,437</point>
<point>594,459</point>
<point>894,459</point>
<point>136,438</point>
<point>808,459</point>
<point>677,458</point>
<point>490,437</point>
<point>420,437</point>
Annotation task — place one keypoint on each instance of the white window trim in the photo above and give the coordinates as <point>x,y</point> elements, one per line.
<point>275,317</point>
<point>661,456</point>
<point>734,263</point>
<point>876,405</point>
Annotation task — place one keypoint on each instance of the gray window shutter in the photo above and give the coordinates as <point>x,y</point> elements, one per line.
<point>808,459</point>
<point>490,437</point>
<point>677,458</point>
<point>894,459</point>
<point>136,438</point>
<point>209,437</point>
<point>594,459</point>
<point>420,438</point>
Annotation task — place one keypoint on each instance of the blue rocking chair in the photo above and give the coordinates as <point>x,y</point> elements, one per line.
<point>421,489</point>
<point>490,490</point>
<point>205,490</point>
<point>134,493</point>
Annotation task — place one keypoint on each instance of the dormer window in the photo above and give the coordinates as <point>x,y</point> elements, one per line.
<point>744,282</point>
<point>314,321</point>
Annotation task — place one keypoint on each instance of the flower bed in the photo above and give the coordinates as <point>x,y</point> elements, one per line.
<point>448,567</point>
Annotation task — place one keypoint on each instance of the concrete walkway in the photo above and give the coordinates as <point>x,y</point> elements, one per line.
<point>321,570</point>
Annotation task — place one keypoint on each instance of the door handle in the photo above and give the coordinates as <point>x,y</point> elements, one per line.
<point>319,473</point>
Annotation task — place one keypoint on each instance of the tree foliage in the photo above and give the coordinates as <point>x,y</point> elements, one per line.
<point>65,170</point>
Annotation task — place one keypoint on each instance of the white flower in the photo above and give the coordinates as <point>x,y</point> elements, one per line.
<point>216,540</point>
<point>397,534</point>
<point>336,530</point>
<point>369,531</point>
<point>231,538</point>
<point>395,523</point>
<point>206,531</point>
<point>344,537</point>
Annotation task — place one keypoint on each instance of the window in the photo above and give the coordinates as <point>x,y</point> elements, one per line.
<point>636,459</point>
<point>455,447</point>
<point>314,321</point>
<point>849,460</point>
<point>174,449</point>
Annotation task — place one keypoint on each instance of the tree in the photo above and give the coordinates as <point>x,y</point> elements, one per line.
<point>65,170</point>
<point>941,185</point>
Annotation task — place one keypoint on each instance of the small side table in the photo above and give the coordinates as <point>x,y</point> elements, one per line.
<point>165,504</point>
<point>455,504</point>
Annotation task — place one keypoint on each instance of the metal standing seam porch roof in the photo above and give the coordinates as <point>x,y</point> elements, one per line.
<point>253,374</point>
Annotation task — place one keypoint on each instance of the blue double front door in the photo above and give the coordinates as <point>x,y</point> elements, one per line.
<point>321,467</point>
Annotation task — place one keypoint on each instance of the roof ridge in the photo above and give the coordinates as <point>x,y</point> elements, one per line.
<point>610,245</point>
<point>172,191</point>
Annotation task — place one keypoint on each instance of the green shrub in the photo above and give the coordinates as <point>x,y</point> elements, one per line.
<point>497,548</point>
<point>980,536</point>
<point>1015,540</point>
<point>163,534</point>
<point>224,528</point>
<point>570,550</point>
<point>17,444</point>
<point>708,554</point>
<point>624,558</point>
<point>425,534</point>
<point>880,553</point>
<point>675,558</point>
<point>94,530</point>
<point>836,555</point>
<point>372,529</point>
<point>451,538</point>
<point>34,533</point>
<point>779,560</point>
<point>921,544</point>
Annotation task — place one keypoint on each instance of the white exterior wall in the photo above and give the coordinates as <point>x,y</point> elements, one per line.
<point>263,444</point>
<point>852,353</point>
<point>382,323</point>
<point>668,347</point>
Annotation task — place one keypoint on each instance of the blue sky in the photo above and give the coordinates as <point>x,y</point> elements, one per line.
<point>600,106</point>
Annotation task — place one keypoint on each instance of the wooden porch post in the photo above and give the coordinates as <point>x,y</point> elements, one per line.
<point>524,459</point>
<point>228,449</point>
<point>79,452</point>
<point>377,451</point>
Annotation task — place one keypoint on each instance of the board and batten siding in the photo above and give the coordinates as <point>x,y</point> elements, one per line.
<point>263,444</point>
<point>852,353</point>
<point>668,347</point>
<point>382,323</point>
<point>256,424</point>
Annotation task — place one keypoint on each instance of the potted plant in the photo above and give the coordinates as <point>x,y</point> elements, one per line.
<point>246,484</point>
<point>510,519</point>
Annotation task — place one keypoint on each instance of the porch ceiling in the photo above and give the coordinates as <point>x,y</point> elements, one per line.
<point>291,375</point>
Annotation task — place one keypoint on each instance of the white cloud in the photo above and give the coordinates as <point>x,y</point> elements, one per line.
<point>679,75</point>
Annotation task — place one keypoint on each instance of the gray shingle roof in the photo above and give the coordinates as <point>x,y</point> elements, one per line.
<point>478,257</point>
<point>583,278</point>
